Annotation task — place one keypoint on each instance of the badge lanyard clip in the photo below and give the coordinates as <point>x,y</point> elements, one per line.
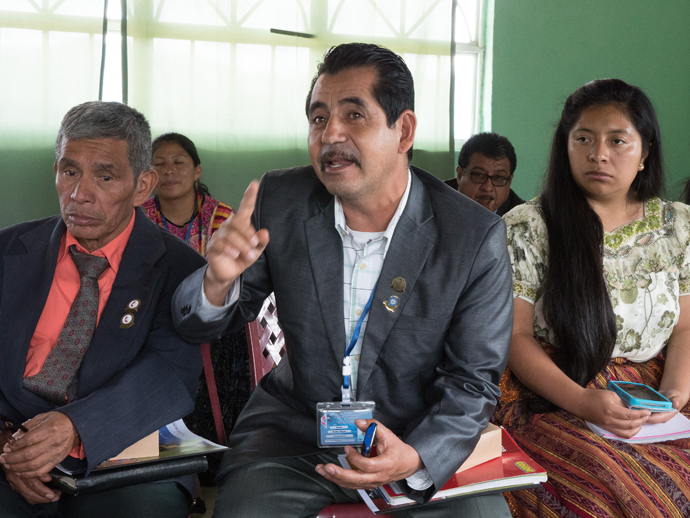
<point>346,389</point>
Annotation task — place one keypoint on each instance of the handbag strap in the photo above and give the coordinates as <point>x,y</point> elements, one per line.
<point>213,393</point>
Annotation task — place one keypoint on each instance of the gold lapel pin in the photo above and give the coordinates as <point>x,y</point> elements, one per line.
<point>127,320</point>
<point>134,305</point>
<point>398,285</point>
<point>391,303</point>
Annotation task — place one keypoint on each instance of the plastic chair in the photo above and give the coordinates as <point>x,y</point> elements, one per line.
<point>266,348</point>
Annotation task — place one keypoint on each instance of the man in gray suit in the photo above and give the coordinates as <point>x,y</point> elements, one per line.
<point>359,229</point>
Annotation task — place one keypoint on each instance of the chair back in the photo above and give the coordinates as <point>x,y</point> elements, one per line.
<point>266,341</point>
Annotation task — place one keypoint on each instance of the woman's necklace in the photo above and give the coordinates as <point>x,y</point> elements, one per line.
<point>190,223</point>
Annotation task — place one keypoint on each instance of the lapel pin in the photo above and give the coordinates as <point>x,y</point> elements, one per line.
<point>398,285</point>
<point>134,305</point>
<point>391,303</point>
<point>127,321</point>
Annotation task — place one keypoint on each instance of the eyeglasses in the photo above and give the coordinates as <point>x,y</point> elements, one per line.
<point>497,181</point>
<point>7,425</point>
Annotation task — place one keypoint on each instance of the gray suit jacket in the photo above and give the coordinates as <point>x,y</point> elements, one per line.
<point>432,367</point>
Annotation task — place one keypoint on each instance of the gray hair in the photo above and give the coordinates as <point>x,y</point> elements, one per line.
<point>109,120</point>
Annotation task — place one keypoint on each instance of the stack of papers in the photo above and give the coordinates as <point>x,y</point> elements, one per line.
<point>676,428</point>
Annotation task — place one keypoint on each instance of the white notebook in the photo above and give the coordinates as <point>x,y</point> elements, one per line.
<point>676,428</point>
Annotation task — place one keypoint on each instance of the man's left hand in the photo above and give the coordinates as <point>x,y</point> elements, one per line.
<point>50,438</point>
<point>395,460</point>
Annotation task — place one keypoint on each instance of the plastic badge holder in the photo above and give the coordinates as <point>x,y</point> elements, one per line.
<point>640,396</point>
<point>335,423</point>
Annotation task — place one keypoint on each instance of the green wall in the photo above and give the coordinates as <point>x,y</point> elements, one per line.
<point>545,49</point>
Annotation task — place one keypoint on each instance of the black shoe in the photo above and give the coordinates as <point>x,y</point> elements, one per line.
<point>199,507</point>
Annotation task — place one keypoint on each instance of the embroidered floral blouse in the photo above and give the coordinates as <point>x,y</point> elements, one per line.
<point>213,213</point>
<point>646,267</point>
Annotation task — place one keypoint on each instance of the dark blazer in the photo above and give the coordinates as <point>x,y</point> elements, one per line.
<point>432,367</point>
<point>132,380</point>
<point>513,200</point>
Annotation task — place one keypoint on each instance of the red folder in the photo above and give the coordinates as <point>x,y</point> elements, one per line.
<point>513,470</point>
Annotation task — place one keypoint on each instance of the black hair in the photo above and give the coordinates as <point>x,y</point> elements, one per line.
<point>394,88</point>
<point>186,144</point>
<point>686,193</point>
<point>577,306</point>
<point>491,145</point>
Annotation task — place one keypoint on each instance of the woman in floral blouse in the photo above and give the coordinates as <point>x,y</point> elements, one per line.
<point>601,267</point>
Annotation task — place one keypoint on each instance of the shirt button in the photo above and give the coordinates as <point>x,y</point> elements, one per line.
<point>358,312</point>
<point>362,266</point>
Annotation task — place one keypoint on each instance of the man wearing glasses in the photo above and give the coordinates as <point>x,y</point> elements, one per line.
<point>485,169</point>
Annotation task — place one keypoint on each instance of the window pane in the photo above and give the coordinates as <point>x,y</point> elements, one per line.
<point>465,94</point>
<point>86,8</point>
<point>467,21</point>
<point>432,79</point>
<point>429,20</point>
<point>361,18</point>
<point>17,5</point>
<point>170,83</point>
<point>194,12</point>
<point>42,92</point>
<point>289,15</point>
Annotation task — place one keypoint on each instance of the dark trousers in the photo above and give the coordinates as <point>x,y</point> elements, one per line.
<point>167,500</point>
<point>290,488</point>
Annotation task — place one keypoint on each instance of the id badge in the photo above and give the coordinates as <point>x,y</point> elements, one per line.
<point>335,423</point>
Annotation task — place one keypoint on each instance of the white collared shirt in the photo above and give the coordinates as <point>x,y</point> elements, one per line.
<point>363,256</point>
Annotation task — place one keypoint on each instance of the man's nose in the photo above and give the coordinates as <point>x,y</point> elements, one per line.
<point>334,131</point>
<point>487,186</point>
<point>84,190</point>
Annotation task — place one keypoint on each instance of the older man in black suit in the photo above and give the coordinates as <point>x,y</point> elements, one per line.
<point>91,362</point>
<point>359,239</point>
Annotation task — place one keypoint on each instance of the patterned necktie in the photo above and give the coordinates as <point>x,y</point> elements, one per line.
<point>58,381</point>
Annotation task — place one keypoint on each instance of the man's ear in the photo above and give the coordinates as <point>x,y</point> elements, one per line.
<point>145,184</point>
<point>458,170</point>
<point>408,127</point>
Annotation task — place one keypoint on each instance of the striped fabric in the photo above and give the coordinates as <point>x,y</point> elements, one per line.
<point>221,213</point>
<point>589,476</point>
<point>213,214</point>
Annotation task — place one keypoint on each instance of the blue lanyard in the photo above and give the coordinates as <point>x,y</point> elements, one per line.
<point>189,224</point>
<point>346,390</point>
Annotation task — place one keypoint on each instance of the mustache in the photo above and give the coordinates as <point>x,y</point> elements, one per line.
<point>330,155</point>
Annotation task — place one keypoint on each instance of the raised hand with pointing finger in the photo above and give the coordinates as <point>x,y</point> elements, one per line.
<point>234,248</point>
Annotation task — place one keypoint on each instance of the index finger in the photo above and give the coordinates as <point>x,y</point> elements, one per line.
<point>350,478</point>
<point>248,202</point>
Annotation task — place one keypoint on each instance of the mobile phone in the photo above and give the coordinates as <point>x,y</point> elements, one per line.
<point>368,440</point>
<point>640,396</point>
